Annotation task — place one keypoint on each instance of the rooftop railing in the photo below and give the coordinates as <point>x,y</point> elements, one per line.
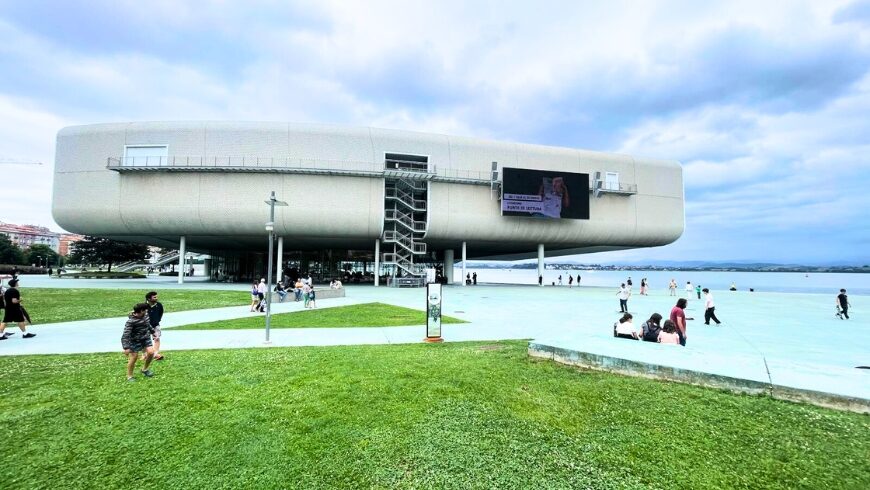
<point>290,165</point>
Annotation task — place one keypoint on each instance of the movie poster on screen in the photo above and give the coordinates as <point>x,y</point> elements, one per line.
<point>544,194</point>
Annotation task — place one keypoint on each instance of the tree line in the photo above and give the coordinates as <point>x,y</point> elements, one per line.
<point>89,251</point>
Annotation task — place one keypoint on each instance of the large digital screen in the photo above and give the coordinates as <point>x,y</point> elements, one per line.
<point>544,194</point>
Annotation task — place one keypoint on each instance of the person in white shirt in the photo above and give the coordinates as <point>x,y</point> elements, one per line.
<point>624,328</point>
<point>624,293</point>
<point>261,294</point>
<point>709,308</point>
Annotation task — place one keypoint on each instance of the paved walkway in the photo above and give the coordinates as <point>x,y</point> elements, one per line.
<point>791,339</point>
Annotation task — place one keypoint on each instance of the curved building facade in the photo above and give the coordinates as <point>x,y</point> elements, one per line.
<point>355,188</point>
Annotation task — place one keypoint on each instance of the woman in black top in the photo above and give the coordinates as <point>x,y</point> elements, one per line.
<point>14,312</point>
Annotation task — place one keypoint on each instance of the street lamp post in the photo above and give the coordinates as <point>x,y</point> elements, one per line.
<point>270,227</point>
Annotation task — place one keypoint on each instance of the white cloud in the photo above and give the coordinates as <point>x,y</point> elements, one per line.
<point>764,102</point>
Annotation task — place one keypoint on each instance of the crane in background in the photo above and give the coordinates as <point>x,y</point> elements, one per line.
<point>17,161</point>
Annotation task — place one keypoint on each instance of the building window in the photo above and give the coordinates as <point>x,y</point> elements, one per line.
<point>146,156</point>
<point>398,161</point>
<point>611,181</point>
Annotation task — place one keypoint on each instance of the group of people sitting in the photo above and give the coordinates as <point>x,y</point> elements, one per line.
<point>651,330</point>
<point>303,290</point>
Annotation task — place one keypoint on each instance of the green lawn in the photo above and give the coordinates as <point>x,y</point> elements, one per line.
<point>50,305</point>
<point>362,315</point>
<point>457,415</point>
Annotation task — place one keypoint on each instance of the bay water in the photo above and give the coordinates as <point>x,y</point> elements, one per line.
<point>786,282</point>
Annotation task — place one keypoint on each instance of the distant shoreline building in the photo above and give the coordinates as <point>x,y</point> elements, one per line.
<point>25,236</point>
<point>67,243</point>
<point>375,202</point>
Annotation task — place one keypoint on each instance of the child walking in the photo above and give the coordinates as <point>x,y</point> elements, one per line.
<point>137,338</point>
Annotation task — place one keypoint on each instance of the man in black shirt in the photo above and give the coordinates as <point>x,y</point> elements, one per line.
<point>842,305</point>
<point>155,314</point>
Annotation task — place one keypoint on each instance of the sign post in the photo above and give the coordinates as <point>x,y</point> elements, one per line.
<point>433,313</point>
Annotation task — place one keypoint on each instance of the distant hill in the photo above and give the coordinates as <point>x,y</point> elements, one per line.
<point>675,265</point>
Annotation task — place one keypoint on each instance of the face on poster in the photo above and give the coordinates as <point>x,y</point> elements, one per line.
<point>544,194</point>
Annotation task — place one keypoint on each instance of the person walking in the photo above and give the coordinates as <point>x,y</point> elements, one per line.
<point>643,286</point>
<point>689,289</point>
<point>672,287</point>
<point>560,279</point>
<point>629,283</point>
<point>540,280</point>
<point>474,279</point>
<point>698,291</point>
<point>137,338</point>
<point>709,308</point>
<point>155,315</point>
<point>678,317</point>
<point>578,280</point>
<point>312,298</point>
<point>255,298</point>
<point>570,281</point>
<point>624,293</point>
<point>14,312</point>
<point>306,294</point>
<point>261,296</point>
<point>842,304</point>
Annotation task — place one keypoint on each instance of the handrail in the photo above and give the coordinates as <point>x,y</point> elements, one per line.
<point>405,219</point>
<point>408,243</point>
<point>406,199</point>
<point>290,164</point>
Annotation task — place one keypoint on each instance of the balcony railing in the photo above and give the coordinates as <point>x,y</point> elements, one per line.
<point>290,165</point>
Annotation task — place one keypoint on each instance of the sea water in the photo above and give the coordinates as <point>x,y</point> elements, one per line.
<point>787,282</point>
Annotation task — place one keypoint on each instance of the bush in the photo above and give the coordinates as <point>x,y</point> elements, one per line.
<point>22,269</point>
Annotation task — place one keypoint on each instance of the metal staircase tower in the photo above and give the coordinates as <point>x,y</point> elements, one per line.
<point>405,207</point>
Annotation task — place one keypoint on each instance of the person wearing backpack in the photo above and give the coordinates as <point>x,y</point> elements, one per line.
<point>651,328</point>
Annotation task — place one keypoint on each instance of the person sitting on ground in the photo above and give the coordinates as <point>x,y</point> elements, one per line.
<point>624,328</point>
<point>651,328</point>
<point>137,338</point>
<point>668,335</point>
<point>282,293</point>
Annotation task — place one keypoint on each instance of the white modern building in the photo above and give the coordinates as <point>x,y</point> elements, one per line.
<point>390,199</point>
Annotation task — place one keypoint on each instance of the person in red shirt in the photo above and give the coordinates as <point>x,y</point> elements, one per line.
<point>678,316</point>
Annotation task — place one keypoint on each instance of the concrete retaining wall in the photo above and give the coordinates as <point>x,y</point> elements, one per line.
<point>617,365</point>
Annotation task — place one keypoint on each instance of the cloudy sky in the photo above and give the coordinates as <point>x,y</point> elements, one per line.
<point>766,104</point>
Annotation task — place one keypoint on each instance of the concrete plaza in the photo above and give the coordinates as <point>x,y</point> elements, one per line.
<point>791,340</point>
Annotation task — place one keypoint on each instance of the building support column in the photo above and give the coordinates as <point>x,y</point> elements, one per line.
<point>448,265</point>
<point>182,250</point>
<point>377,262</point>
<point>278,275</point>
<point>541,262</point>
<point>464,257</point>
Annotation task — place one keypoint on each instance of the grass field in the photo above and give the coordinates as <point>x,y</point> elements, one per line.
<point>459,415</point>
<point>362,315</point>
<point>51,305</point>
